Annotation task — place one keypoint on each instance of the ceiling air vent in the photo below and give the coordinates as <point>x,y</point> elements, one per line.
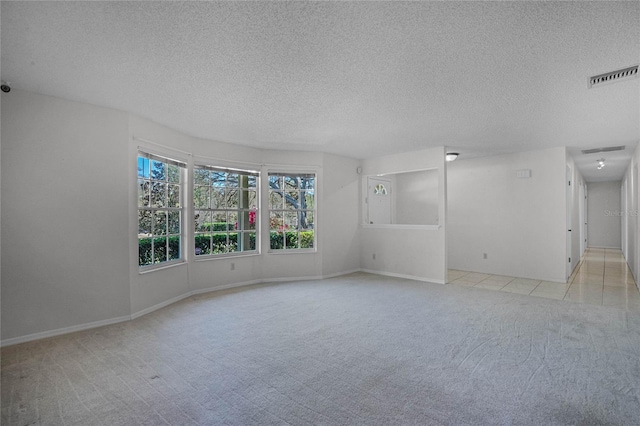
<point>613,76</point>
<point>606,149</point>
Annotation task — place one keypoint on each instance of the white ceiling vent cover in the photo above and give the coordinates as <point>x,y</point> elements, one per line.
<point>613,76</point>
<point>606,149</point>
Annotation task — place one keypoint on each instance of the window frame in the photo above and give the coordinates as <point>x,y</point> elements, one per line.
<point>181,209</point>
<point>242,213</point>
<point>268,203</point>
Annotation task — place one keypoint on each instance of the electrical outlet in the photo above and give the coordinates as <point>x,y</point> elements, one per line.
<point>484,255</point>
<point>233,266</point>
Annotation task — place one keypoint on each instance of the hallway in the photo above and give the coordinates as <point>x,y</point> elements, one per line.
<point>602,278</point>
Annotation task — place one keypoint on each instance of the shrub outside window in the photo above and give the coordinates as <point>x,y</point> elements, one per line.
<point>291,211</point>
<point>225,211</point>
<point>160,209</point>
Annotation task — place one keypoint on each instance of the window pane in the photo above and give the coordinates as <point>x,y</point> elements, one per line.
<point>275,200</point>
<point>276,222</point>
<point>276,240</point>
<point>144,251</point>
<point>174,196</point>
<point>174,248</point>
<point>250,199</point>
<point>252,181</point>
<point>235,242</point>
<point>306,239</point>
<point>291,220</point>
<point>244,199</point>
<point>160,223</point>
<point>307,200</point>
<point>158,194</point>
<point>307,183</point>
<point>203,244</point>
<point>219,179</point>
<point>233,180</point>
<point>202,221</point>
<point>244,241</point>
<point>201,197</point>
<point>219,243</point>
<point>159,250</point>
<point>252,217</point>
<point>251,240</point>
<point>158,170</point>
<point>174,222</point>
<point>232,221</point>
<point>144,224</point>
<point>217,198</point>
<point>143,167</point>
<point>292,200</point>
<point>233,198</point>
<point>306,219</point>
<point>173,173</point>
<point>143,193</point>
<point>291,240</point>
<point>243,220</point>
<point>201,177</point>
<point>275,182</point>
<point>291,182</point>
<point>219,221</point>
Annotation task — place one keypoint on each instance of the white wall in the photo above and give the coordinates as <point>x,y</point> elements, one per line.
<point>65,239</point>
<point>417,253</point>
<point>519,222</point>
<point>69,217</point>
<point>577,228</point>
<point>340,236</point>
<point>604,209</point>
<point>416,198</point>
<point>630,215</point>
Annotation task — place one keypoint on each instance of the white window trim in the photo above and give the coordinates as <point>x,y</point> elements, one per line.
<point>159,266</point>
<point>223,167</point>
<point>184,230</point>
<point>292,171</point>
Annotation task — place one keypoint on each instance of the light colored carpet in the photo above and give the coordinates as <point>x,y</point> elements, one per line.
<point>359,349</point>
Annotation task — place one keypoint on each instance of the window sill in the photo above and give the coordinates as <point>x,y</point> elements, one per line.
<point>207,258</point>
<point>292,251</point>
<point>400,226</point>
<point>152,268</point>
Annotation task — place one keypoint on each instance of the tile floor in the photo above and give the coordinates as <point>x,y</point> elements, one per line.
<point>601,278</point>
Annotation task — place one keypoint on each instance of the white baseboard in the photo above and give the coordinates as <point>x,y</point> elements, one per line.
<point>161,305</point>
<point>225,287</point>
<point>64,330</point>
<point>405,276</point>
<point>290,279</point>
<point>340,274</point>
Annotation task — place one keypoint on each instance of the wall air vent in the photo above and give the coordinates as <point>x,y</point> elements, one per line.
<point>613,76</point>
<point>605,149</point>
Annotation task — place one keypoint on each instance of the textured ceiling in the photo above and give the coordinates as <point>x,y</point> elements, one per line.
<point>360,79</point>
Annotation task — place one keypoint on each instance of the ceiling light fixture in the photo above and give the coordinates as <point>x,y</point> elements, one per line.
<point>451,156</point>
<point>600,163</point>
